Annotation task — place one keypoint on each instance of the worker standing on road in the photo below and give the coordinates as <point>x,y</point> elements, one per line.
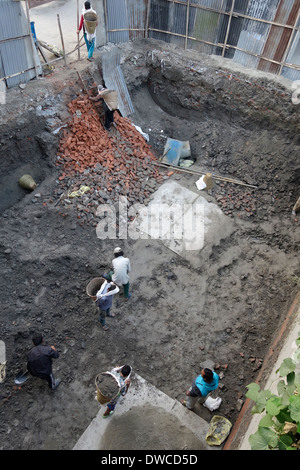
<point>39,361</point>
<point>110,104</point>
<point>120,273</point>
<point>205,383</point>
<point>90,38</point>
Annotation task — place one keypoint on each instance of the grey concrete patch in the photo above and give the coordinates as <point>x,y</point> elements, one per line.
<point>183,220</point>
<point>2,352</point>
<point>146,419</point>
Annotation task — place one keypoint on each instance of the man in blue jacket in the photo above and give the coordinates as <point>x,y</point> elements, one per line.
<point>205,383</point>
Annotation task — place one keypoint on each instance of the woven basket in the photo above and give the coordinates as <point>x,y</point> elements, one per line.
<point>90,22</point>
<point>93,286</point>
<point>102,399</point>
<point>111,99</point>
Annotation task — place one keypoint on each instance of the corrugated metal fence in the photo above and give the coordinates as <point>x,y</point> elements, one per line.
<point>19,61</point>
<point>264,35</point>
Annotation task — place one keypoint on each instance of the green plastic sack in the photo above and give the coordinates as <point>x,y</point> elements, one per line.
<point>219,429</point>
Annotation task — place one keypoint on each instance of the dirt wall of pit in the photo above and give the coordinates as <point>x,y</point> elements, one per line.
<point>212,86</point>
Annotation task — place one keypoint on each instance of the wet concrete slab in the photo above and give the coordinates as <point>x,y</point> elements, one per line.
<point>146,419</point>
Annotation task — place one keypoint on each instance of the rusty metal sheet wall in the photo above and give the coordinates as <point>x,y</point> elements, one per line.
<point>264,40</point>
<point>293,57</point>
<point>237,29</point>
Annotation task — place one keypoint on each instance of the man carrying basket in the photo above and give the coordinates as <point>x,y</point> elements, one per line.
<point>122,375</point>
<point>89,22</point>
<point>109,100</point>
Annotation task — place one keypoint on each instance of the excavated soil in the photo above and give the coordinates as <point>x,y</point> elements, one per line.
<point>224,308</point>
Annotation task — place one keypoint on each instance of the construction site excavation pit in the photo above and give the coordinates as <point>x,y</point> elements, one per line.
<point>219,305</point>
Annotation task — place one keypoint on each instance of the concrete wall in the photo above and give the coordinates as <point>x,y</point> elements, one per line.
<point>98,5</point>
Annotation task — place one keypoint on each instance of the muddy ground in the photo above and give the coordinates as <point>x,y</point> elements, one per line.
<point>224,308</point>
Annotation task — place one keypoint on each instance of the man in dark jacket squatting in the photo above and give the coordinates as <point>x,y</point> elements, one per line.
<point>39,361</point>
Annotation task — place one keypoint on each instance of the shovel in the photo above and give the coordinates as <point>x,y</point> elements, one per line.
<point>21,377</point>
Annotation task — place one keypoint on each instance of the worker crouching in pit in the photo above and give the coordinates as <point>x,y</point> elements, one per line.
<point>109,100</point>
<point>202,386</point>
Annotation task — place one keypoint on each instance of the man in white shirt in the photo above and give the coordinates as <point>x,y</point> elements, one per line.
<point>121,269</point>
<point>122,375</point>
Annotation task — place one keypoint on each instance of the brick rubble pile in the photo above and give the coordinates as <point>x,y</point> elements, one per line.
<point>111,164</point>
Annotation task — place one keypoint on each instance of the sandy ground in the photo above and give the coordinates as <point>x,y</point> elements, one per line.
<point>46,22</point>
<point>225,308</point>
<point>46,18</point>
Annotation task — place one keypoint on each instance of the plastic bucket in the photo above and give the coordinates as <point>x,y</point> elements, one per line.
<point>93,286</point>
<point>90,22</point>
<point>102,399</point>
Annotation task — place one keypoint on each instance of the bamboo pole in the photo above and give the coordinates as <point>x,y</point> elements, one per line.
<point>15,74</point>
<point>187,24</point>
<point>228,27</point>
<point>289,44</point>
<point>105,19</point>
<point>128,29</point>
<point>146,34</point>
<point>60,58</point>
<point>62,40</point>
<point>78,40</point>
<point>218,178</point>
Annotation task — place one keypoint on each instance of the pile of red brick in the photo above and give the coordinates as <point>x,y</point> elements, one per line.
<point>234,200</point>
<point>85,143</point>
<point>112,164</point>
